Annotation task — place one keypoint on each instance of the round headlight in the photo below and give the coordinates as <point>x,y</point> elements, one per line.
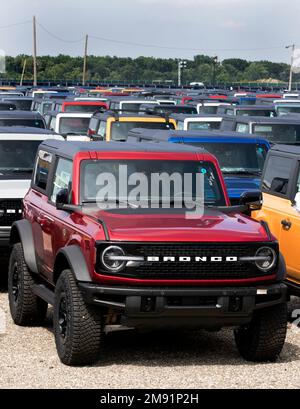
<point>268,258</point>
<point>110,261</point>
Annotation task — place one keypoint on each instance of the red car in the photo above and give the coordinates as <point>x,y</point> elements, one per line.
<point>80,106</point>
<point>88,249</point>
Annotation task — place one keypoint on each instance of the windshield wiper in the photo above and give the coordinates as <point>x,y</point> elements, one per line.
<point>22,170</point>
<point>117,201</point>
<point>243,172</point>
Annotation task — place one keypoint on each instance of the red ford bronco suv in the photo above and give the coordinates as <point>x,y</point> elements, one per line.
<point>100,259</point>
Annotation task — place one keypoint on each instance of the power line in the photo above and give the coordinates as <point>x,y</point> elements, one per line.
<point>182,48</point>
<point>57,37</point>
<point>16,24</point>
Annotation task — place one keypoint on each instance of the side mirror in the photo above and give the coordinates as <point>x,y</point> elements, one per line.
<point>252,199</point>
<point>297,202</point>
<point>62,199</point>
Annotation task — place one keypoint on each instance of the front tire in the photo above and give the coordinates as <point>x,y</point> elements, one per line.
<point>26,308</point>
<point>262,340</point>
<point>77,326</point>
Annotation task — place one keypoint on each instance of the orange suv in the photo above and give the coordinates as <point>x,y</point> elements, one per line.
<point>281,206</point>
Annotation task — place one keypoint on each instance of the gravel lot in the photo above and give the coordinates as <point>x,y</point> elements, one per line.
<point>157,360</point>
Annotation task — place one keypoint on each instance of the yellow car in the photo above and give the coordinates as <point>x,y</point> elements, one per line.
<point>112,126</point>
<point>281,206</point>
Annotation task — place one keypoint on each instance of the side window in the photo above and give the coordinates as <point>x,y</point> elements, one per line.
<point>62,177</point>
<point>242,127</point>
<point>102,130</point>
<point>93,124</point>
<point>43,166</point>
<point>180,126</point>
<point>52,123</point>
<point>229,112</point>
<point>276,179</point>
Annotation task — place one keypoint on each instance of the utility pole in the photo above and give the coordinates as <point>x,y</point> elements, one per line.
<point>23,72</point>
<point>292,63</point>
<point>215,62</point>
<point>85,60</point>
<point>181,65</point>
<point>34,54</point>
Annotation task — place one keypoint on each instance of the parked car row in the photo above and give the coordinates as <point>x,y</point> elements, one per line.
<point>96,237</point>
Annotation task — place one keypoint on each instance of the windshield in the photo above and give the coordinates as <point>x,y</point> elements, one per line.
<point>176,109</point>
<point>208,109</point>
<point>203,126</point>
<point>241,158</point>
<point>288,110</point>
<point>141,175</point>
<point>255,112</point>
<point>74,125</point>
<point>284,133</point>
<point>17,155</point>
<point>20,104</point>
<point>88,109</point>
<point>119,130</point>
<point>47,107</point>
<point>38,123</point>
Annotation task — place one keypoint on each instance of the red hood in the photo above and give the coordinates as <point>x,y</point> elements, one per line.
<point>129,226</point>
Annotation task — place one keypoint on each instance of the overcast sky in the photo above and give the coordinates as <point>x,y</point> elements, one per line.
<point>193,26</point>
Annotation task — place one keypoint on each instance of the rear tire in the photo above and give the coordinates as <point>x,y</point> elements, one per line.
<point>77,326</point>
<point>262,340</point>
<point>26,308</point>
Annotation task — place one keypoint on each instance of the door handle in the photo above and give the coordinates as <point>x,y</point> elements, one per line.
<point>44,221</point>
<point>286,224</point>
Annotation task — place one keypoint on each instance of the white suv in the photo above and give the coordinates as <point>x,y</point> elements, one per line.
<point>17,157</point>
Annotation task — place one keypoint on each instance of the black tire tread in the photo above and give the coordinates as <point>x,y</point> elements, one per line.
<point>31,310</point>
<point>83,342</point>
<point>263,339</point>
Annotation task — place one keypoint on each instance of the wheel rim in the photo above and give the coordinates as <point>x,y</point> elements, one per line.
<point>16,284</point>
<point>62,317</point>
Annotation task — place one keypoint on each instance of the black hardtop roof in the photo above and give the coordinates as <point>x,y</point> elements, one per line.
<point>25,130</point>
<point>70,149</point>
<point>180,116</point>
<point>12,98</point>
<point>20,114</point>
<point>104,115</point>
<point>253,107</point>
<point>166,134</point>
<point>285,119</point>
<point>292,149</point>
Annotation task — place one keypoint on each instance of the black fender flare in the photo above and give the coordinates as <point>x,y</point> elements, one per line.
<point>281,273</point>
<point>21,231</point>
<point>76,261</point>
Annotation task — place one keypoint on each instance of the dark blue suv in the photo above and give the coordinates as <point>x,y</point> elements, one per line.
<point>241,156</point>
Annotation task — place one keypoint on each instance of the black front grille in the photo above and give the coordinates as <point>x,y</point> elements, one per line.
<point>10,211</point>
<point>194,269</point>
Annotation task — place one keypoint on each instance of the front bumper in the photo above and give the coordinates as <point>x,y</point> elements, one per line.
<point>4,236</point>
<point>179,307</point>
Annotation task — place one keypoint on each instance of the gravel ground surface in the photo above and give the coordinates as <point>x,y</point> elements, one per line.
<point>192,359</point>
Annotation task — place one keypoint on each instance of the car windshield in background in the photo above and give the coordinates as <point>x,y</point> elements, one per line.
<point>75,126</point>
<point>255,112</point>
<point>203,126</point>
<point>88,109</point>
<point>17,156</point>
<point>283,133</point>
<point>47,107</point>
<point>234,158</point>
<point>32,123</point>
<point>119,130</point>
<point>91,186</point>
<point>132,107</point>
<point>20,104</point>
<point>208,109</point>
<point>288,110</point>
<point>176,110</point>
